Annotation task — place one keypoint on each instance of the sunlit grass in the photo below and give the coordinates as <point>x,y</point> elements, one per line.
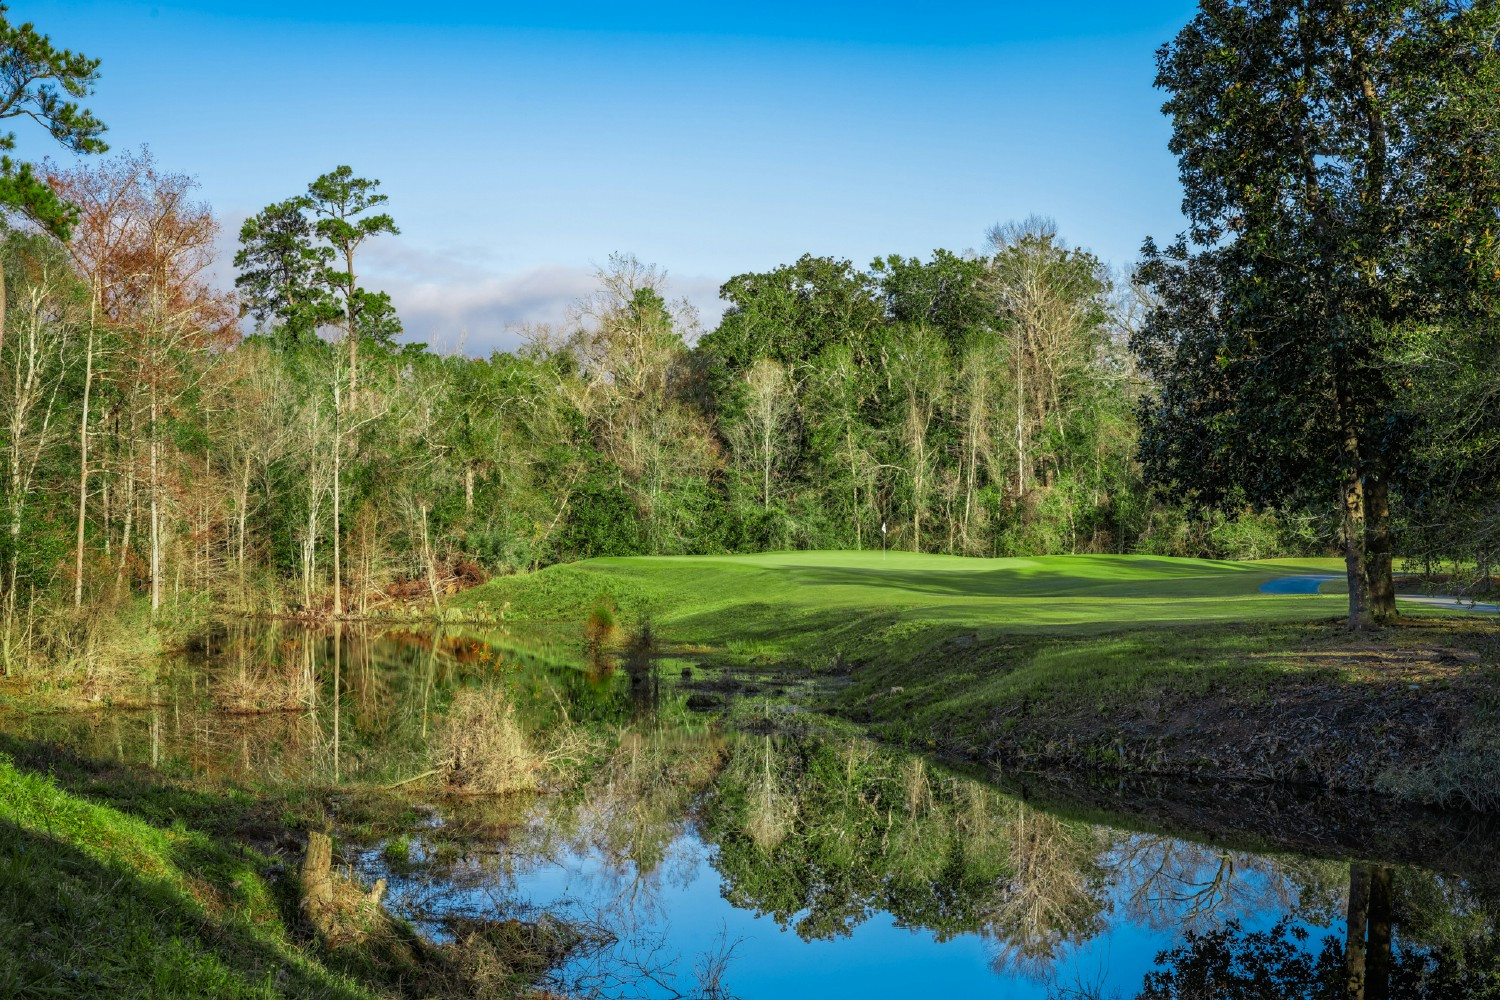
<point>725,598</point>
<point>96,901</point>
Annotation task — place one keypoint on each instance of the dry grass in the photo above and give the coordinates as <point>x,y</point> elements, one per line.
<point>273,688</point>
<point>772,811</point>
<point>482,749</point>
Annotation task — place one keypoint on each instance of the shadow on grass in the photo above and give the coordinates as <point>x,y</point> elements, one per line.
<point>1078,576</point>
<point>87,907</point>
<point>225,813</point>
<point>71,925</point>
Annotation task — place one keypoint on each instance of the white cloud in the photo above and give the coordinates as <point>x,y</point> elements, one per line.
<point>480,311</point>
<point>460,299</point>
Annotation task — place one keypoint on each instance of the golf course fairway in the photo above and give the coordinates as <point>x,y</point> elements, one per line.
<point>707,593</point>
<point>1102,663</point>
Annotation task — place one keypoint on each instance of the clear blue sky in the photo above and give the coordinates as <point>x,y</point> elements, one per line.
<point>520,144</point>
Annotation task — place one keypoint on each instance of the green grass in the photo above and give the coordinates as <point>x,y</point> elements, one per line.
<point>960,636</point>
<point>114,885</point>
<point>720,597</point>
<point>1126,662</point>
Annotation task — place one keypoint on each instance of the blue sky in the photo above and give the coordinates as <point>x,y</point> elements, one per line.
<point>522,144</point>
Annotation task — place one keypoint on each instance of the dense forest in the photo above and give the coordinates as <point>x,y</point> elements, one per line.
<point>1312,366</point>
<point>980,404</point>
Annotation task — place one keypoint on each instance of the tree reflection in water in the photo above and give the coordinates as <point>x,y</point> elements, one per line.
<point>1447,948</point>
<point>820,832</point>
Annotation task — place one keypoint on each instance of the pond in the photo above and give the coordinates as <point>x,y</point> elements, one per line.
<point>667,852</point>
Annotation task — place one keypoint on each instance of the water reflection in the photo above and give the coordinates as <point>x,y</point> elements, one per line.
<point>690,859</point>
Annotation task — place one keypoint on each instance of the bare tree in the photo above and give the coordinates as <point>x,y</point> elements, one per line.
<point>770,403</point>
<point>33,367</point>
<point>1053,299</point>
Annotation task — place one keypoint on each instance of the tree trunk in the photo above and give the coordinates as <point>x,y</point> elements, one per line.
<point>243,511</point>
<point>854,490</point>
<point>309,555</point>
<point>1020,427</point>
<point>1354,554</point>
<point>1353,518</point>
<point>2,303</point>
<point>338,440</point>
<point>125,530</point>
<point>106,514</point>
<point>353,320</point>
<point>1378,952</point>
<point>765,490</point>
<point>1378,548</point>
<point>83,465</point>
<point>1354,935</point>
<point>338,652</point>
<point>317,881</point>
<point>429,557</point>
<point>155,516</point>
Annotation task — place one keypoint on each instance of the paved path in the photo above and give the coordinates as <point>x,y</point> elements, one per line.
<point>1309,584</point>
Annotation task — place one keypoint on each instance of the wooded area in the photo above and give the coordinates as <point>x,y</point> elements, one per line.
<point>1312,366</point>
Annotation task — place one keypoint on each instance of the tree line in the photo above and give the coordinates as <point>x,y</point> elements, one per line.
<point>1311,365</point>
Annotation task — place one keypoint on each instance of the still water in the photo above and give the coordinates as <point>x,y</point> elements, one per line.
<point>780,855</point>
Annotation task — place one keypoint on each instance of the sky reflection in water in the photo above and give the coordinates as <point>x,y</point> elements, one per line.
<point>825,866</point>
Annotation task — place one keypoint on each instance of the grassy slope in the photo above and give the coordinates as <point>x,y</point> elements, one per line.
<point>772,599</point>
<point>1128,662</point>
<point>113,884</point>
<point>1092,591</point>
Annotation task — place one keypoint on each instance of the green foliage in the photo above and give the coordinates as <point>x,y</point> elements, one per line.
<point>278,266</point>
<point>297,259</point>
<point>1335,191</point>
<point>821,834</point>
<point>31,70</point>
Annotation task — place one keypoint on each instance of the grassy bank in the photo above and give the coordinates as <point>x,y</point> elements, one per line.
<point>118,881</point>
<point>1117,663</point>
<point>98,900</point>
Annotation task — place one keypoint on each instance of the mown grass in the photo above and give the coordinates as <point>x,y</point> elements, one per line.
<point>727,597</point>
<point>1129,662</point>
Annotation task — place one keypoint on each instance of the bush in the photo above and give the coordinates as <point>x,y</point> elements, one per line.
<point>482,749</point>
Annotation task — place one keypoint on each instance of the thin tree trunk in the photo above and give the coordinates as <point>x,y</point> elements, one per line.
<point>106,515</point>
<point>1378,548</point>
<point>765,490</point>
<point>1020,426</point>
<point>1354,554</point>
<point>854,486</point>
<point>970,475</point>
<point>2,303</point>
<point>125,531</point>
<point>427,554</point>
<point>155,516</point>
<point>1354,521</point>
<point>244,503</point>
<point>349,296</point>
<point>309,557</point>
<point>338,652</point>
<point>338,436</point>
